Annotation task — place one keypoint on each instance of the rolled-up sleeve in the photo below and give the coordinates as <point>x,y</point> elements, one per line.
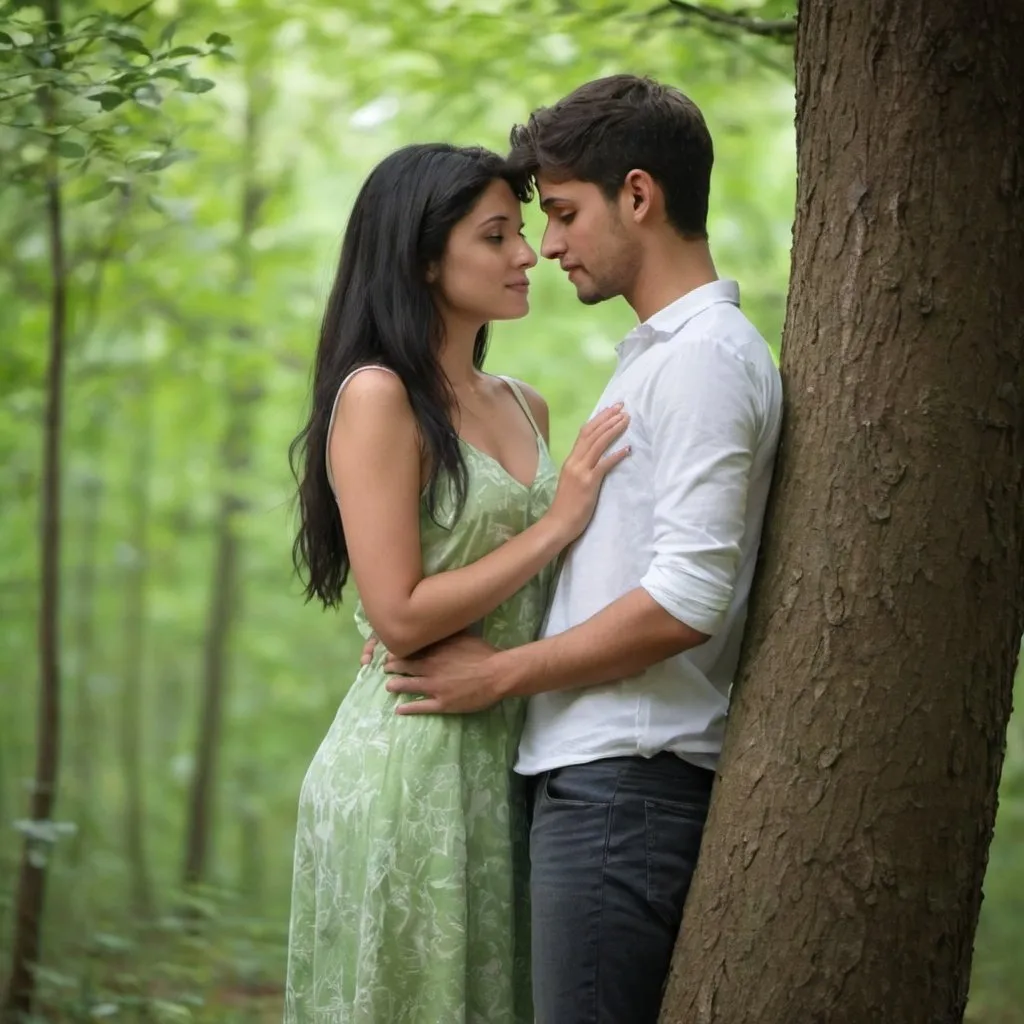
<point>700,415</point>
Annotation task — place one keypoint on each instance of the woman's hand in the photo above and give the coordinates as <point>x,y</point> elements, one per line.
<point>368,648</point>
<point>585,469</point>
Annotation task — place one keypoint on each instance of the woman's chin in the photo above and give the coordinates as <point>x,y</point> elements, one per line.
<point>514,311</point>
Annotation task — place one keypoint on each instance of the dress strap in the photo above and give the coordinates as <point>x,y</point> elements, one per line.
<point>523,403</point>
<point>334,413</point>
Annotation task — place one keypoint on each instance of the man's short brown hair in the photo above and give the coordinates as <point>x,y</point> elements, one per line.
<point>608,127</point>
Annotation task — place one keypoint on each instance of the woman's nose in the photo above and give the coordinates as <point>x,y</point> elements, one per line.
<point>526,256</point>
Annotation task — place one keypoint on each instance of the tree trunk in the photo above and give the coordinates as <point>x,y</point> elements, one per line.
<point>840,879</point>
<point>91,439</point>
<point>85,739</point>
<point>31,892</point>
<point>252,845</point>
<point>235,456</point>
<point>133,672</point>
<point>223,599</point>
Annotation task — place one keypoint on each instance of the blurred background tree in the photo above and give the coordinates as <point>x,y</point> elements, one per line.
<point>204,156</point>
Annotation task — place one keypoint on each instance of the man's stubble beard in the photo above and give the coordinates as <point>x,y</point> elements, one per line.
<point>612,288</point>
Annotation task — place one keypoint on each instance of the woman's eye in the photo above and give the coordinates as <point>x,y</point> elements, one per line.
<point>567,218</point>
<point>496,238</point>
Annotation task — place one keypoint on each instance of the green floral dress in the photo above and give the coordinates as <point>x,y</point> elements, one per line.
<point>409,899</point>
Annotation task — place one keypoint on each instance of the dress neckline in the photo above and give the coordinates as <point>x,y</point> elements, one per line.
<point>490,458</point>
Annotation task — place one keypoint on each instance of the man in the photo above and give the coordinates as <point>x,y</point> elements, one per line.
<point>629,683</point>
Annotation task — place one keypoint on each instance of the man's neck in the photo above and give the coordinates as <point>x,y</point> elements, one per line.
<point>668,272</point>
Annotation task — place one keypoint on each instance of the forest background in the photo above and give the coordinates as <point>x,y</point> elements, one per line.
<point>183,172</point>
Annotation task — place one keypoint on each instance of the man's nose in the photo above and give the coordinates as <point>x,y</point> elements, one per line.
<point>552,244</point>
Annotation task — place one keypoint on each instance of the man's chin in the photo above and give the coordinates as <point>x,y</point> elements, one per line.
<point>589,297</point>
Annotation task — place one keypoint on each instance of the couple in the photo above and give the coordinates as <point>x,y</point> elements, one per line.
<point>479,785</point>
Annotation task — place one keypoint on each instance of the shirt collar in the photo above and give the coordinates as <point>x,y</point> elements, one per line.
<point>674,316</point>
<point>668,321</point>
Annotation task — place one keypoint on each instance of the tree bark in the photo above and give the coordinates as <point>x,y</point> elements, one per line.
<point>840,878</point>
<point>31,892</point>
<point>235,457</point>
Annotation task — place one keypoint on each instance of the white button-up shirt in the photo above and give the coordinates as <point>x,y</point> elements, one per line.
<point>681,518</point>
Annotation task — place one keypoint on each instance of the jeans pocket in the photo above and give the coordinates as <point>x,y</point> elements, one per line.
<point>568,839</point>
<point>578,785</point>
<point>673,841</point>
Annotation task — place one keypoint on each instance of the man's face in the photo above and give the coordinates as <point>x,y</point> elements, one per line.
<point>585,232</point>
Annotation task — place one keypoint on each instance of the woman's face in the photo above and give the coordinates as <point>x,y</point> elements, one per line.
<point>482,275</point>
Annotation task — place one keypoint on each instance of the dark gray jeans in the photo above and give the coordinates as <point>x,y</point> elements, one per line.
<point>613,846</point>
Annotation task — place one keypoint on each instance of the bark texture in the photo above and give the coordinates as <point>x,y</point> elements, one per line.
<point>840,879</point>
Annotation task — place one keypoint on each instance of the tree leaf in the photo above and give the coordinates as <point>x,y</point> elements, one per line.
<point>166,1011</point>
<point>199,85</point>
<point>172,156</point>
<point>148,95</point>
<point>99,192</point>
<point>131,45</point>
<point>109,99</point>
<point>145,157</point>
<point>183,51</point>
<point>71,150</point>
<point>167,32</point>
<point>179,210</point>
<point>218,39</point>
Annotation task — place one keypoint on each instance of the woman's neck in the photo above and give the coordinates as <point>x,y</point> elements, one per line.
<point>456,354</point>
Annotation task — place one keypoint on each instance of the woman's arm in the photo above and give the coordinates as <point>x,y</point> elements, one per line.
<point>375,460</point>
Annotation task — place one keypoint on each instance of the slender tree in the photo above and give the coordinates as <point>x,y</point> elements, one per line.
<point>134,636</point>
<point>244,392</point>
<point>31,890</point>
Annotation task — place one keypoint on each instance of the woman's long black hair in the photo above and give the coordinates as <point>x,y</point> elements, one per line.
<point>381,310</point>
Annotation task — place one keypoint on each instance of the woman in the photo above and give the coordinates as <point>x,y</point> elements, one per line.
<point>431,480</point>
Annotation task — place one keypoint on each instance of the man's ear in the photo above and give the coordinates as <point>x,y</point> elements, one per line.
<point>640,194</point>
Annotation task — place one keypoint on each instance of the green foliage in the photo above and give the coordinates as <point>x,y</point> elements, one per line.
<point>91,89</point>
<point>203,224</point>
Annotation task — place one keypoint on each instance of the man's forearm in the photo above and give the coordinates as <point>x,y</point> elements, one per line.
<point>622,640</point>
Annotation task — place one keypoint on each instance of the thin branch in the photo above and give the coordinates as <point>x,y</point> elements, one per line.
<point>58,84</point>
<point>782,28</point>
<point>132,15</point>
<point>749,46</point>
